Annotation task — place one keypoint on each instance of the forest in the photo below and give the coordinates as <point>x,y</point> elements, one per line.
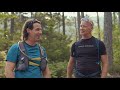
<point>59,33</point>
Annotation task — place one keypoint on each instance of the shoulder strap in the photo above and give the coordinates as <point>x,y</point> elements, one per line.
<point>22,48</point>
<point>41,51</point>
<point>98,47</point>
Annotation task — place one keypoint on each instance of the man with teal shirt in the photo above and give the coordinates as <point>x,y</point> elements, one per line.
<point>32,31</point>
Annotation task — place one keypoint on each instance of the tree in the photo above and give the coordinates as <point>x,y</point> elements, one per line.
<point>98,25</point>
<point>108,35</point>
<point>50,14</point>
<point>31,14</point>
<point>114,18</point>
<point>78,20</point>
<point>12,26</point>
<point>82,14</point>
<point>63,22</point>
<point>75,28</point>
<point>5,24</point>
<point>119,20</point>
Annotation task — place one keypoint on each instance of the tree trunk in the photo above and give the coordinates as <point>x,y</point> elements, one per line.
<point>31,14</point>
<point>75,27</point>
<point>5,25</point>
<point>50,14</point>
<point>12,26</point>
<point>108,36</point>
<point>35,14</point>
<point>63,20</point>
<point>119,20</point>
<point>78,21</point>
<point>114,18</point>
<point>82,14</point>
<point>59,26</point>
<point>98,26</point>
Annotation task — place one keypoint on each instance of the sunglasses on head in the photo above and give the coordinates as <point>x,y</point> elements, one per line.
<point>30,23</point>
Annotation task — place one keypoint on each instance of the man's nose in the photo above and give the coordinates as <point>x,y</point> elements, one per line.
<point>40,31</point>
<point>83,28</point>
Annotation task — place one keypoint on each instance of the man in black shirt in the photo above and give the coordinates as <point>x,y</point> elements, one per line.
<point>88,57</point>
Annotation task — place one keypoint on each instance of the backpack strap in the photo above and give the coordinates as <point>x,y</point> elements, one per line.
<point>41,51</point>
<point>22,48</point>
<point>23,62</point>
<point>43,63</point>
<point>23,53</point>
<point>97,42</point>
<point>98,47</point>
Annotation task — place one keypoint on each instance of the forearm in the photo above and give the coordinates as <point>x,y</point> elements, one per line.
<point>9,70</point>
<point>47,73</point>
<point>9,74</point>
<point>69,72</point>
<point>104,71</point>
<point>70,67</point>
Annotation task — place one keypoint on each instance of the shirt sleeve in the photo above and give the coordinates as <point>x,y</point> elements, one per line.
<point>12,54</point>
<point>102,48</point>
<point>73,50</point>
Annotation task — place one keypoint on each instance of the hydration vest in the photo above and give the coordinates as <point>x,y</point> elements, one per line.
<point>24,61</point>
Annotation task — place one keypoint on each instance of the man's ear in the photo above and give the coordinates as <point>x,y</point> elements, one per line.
<point>91,28</point>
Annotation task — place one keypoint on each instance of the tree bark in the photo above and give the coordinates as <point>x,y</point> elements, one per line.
<point>108,35</point>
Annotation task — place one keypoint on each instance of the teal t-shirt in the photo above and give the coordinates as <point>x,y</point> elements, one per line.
<point>33,52</point>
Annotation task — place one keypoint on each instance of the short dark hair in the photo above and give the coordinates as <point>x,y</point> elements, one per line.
<point>28,24</point>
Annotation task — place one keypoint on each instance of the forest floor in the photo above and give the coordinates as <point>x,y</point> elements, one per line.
<point>115,75</point>
<point>109,75</point>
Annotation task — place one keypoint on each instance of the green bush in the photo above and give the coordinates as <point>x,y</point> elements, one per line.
<point>58,70</point>
<point>115,69</point>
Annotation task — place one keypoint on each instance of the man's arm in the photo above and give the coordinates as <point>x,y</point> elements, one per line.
<point>104,59</point>
<point>9,67</point>
<point>70,67</point>
<point>47,73</point>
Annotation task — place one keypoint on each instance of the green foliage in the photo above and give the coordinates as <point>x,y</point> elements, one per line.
<point>115,69</point>
<point>2,55</point>
<point>2,63</point>
<point>58,69</point>
<point>116,45</point>
<point>7,15</point>
<point>57,46</point>
<point>96,32</point>
<point>6,41</point>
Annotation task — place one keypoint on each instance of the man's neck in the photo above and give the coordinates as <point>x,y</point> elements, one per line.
<point>30,42</point>
<point>86,36</point>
